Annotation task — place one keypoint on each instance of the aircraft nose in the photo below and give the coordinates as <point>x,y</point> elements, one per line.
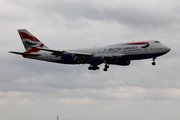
<point>168,49</point>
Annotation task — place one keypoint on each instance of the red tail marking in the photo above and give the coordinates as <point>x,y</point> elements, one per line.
<point>26,36</point>
<point>41,45</point>
<point>34,49</point>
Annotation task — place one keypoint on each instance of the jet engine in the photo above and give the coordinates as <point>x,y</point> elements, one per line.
<point>98,59</point>
<point>68,56</point>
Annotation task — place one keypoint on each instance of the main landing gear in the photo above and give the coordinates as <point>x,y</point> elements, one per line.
<point>95,67</point>
<point>154,63</point>
<point>106,67</point>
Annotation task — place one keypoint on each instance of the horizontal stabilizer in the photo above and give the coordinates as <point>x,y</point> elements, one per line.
<point>27,54</point>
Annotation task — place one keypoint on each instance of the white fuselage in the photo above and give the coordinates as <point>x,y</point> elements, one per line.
<point>123,51</point>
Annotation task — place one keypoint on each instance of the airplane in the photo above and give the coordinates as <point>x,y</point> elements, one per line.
<point>115,54</point>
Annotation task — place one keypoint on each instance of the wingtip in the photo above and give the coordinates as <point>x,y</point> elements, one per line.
<point>10,51</point>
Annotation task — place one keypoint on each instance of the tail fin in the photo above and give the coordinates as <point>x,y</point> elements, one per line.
<point>29,41</point>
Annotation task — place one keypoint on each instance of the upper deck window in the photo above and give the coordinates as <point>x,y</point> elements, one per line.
<point>157,42</point>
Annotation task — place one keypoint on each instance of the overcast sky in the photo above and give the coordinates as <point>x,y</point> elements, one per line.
<point>36,90</point>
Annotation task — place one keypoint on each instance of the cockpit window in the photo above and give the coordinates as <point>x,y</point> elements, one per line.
<point>157,42</point>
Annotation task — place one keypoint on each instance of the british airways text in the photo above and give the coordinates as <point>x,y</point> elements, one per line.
<point>123,48</point>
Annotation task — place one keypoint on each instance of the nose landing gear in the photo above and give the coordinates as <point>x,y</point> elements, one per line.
<point>154,63</point>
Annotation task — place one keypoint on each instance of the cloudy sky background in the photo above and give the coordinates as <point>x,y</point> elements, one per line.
<point>39,90</point>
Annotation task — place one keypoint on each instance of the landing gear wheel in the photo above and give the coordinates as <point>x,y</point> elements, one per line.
<point>153,63</point>
<point>89,68</point>
<point>105,69</point>
<point>93,67</point>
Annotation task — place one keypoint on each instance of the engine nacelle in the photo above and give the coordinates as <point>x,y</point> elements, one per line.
<point>98,59</point>
<point>124,63</point>
<point>68,56</point>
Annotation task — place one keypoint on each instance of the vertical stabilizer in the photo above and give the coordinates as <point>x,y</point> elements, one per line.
<point>29,41</point>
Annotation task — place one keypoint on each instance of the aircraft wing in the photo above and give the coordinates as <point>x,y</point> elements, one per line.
<point>81,57</point>
<point>112,57</point>
<point>81,54</point>
<point>60,53</point>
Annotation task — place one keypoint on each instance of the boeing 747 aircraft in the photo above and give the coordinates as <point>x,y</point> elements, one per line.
<point>115,54</point>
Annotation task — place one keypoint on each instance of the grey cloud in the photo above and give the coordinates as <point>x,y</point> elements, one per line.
<point>39,77</point>
<point>132,92</point>
<point>153,16</point>
<point>124,15</point>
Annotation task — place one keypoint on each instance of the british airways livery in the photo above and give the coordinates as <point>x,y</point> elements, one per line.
<point>115,54</point>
